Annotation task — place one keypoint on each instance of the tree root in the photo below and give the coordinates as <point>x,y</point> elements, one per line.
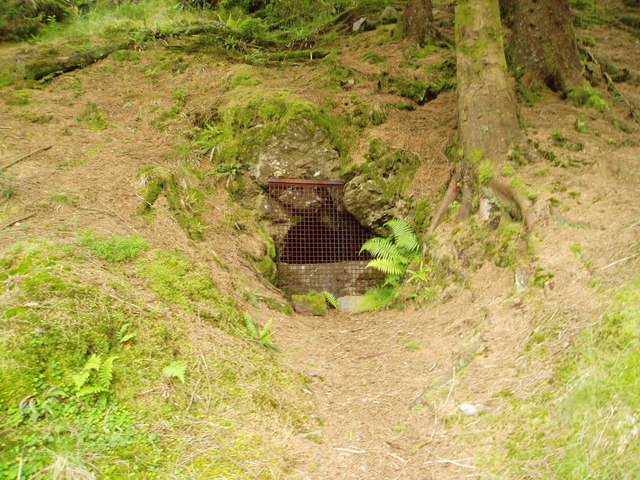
<point>463,362</point>
<point>449,196</point>
<point>524,204</point>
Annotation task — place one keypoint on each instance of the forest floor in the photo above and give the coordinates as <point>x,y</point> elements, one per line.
<point>370,373</point>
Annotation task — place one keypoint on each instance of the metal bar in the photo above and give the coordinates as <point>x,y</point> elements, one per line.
<point>302,182</point>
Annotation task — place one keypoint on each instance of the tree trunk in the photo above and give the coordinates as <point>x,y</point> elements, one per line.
<point>417,21</point>
<point>543,45</point>
<point>487,120</point>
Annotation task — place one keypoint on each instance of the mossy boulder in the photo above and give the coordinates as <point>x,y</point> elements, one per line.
<point>310,304</point>
<point>269,134</point>
<point>375,192</point>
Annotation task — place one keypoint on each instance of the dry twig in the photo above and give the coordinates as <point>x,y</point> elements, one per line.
<point>24,157</point>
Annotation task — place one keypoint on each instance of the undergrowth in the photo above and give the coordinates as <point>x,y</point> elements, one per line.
<point>94,382</point>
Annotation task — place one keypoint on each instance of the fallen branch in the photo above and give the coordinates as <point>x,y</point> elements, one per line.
<point>622,260</point>
<point>24,157</point>
<point>10,224</point>
<point>616,90</point>
<point>48,69</point>
<point>349,450</point>
<point>453,462</point>
<point>298,55</point>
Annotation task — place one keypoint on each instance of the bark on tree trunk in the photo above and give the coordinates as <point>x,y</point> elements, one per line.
<point>543,44</point>
<point>487,119</point>
<point>417,21</point>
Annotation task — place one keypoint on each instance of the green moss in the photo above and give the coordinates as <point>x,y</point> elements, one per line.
<point>245,123</point>
<point>276,305</point>
<point>372,58</point>
<point>186,203</point>
<point>368,115</point>
<point>18,98</point>
<point>315,304</point>
<point>586,96</point>
<point>176,279</point>
<point>267,268</point>
<point>485,171</point>
<point>509,244</point>
<point>94,117</point>
<point>389,172</point>
<point>43,348</point>
<point>422,216</point>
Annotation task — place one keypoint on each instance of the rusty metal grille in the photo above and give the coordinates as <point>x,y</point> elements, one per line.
<point>317,240</point>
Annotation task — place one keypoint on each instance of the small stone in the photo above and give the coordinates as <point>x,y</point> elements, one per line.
<point>389,15</point>
<point>359,24</point>
<point>471,410</point>
<point>349,303</point>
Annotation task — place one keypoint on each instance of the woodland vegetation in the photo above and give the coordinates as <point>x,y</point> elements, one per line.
<point>490,146</point>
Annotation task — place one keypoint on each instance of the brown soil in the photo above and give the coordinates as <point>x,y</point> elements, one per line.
<point>379,420</point>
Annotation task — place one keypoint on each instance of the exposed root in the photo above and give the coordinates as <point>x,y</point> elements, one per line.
<point>509,194</point>
<point>449,196</point>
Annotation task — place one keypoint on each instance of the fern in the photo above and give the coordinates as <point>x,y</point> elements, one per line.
<point>96,376</point>
<point>175,369</point>
<point>122,336</point>
<point>331,299</point>
<point>403,235</point>
<point>393,255</point>
<point>105,373</point>
<point>387,266</point>
<point>93,363</point>
<point>380,247</point>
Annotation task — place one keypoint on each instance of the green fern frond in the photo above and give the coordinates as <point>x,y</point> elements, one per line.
<point>266,333</point>
<point>105,374</point>
<point>251,326</point>
<point>387,266</point>
<point>81,378</point>
<point>93,363</point>
<point>331,299</point>
<point>175,369</point>
<point>380,247</point>
<point>90,390</point>
<point>122,336</point>
<point>403,235</point>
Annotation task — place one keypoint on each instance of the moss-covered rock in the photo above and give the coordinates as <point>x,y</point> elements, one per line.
<point>267,268</point>
<point>269,134</point>
<point>375,192</point>
<point>276,305</point>
<point>310,304</point>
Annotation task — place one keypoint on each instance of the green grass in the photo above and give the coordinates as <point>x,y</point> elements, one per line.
<point>114,249</point>
<point>583,422</point>
<point>107,21</point>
